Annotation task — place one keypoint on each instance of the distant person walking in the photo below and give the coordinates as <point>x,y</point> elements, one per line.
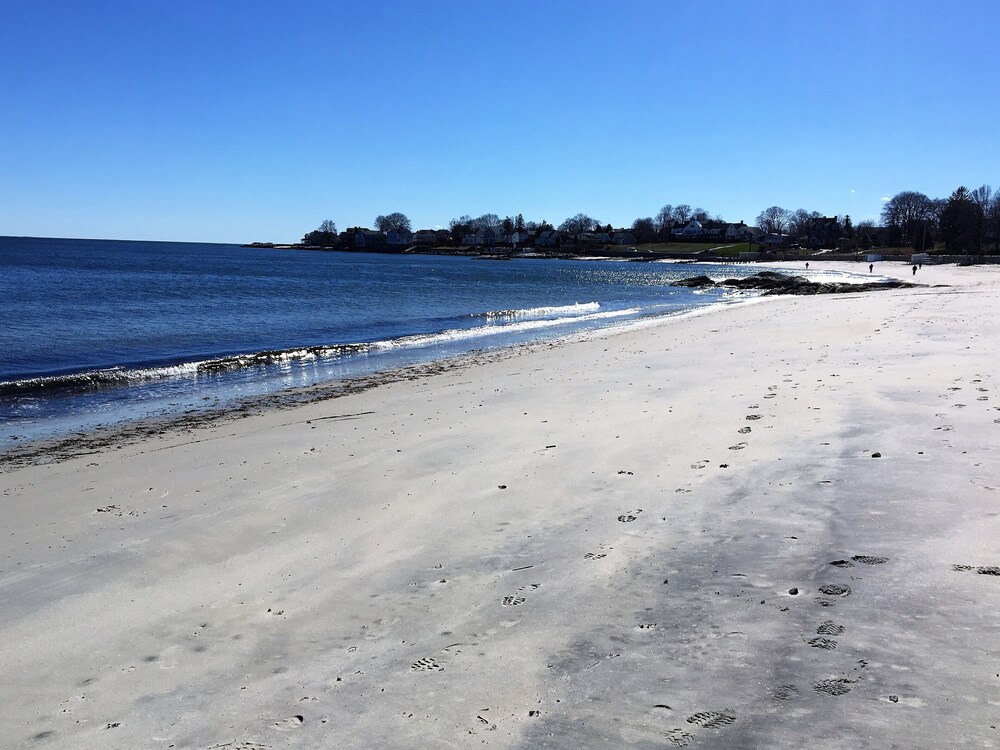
<point>914,270</point>
<point>870,267</point>
<point>807,265</point>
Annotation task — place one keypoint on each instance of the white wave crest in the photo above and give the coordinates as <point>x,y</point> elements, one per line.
<point>581,308</point>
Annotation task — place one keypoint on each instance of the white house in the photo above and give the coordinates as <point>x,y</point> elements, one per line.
<point>693,229</point>
<point>739,233</point>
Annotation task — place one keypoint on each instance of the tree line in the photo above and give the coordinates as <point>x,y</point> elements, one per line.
<point>968,221</point>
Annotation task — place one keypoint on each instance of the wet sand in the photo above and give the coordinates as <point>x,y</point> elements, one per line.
<point>773,525</point>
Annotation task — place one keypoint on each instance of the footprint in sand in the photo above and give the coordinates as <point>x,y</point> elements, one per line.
<point>630,516</point>
<point>237,745</point>
<point>961,568</point>
<point>828,627</point>
<point>988,570</point>
<point>835,589</point>
<point>292,722</point>
<point>753,417</point>
<point>744,430</point>
<point>711,719</point>
<point>786,692</point>
<point>679,738</point>
<point>870,559</point>
<point>828,644</point>
<point>594,555</point>
<point>838,686</point>
<point>516,600</point>
<point>738,446</point>
<point>426,665</point>
<point>842,564</point>
<point>700,465</point>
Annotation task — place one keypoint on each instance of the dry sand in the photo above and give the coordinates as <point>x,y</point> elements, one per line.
<point>679,535</point>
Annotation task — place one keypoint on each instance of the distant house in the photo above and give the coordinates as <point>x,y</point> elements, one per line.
<point>490,236</point>
<point>361,237</point>
<point>548,238</point>
<point>824,231</point>
<point>713,231</point>
<point>775,240</point>
<point>399,238</point>
<point>624,237</point>
<point>692,230</point>
<point>592,239</point>
<point>425,237</point>
<point>739,233</point>
<point>523,238</point>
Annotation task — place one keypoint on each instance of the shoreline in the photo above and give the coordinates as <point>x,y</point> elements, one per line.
<point>128,431</point>
<point>23,452</point>
<point>769,525</point>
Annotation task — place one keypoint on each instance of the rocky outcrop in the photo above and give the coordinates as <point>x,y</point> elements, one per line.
<point>778,283</point>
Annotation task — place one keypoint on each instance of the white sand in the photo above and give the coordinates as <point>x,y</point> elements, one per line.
<point>452,561</point>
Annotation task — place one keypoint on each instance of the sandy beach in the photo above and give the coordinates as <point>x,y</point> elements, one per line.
<point>772,525</point>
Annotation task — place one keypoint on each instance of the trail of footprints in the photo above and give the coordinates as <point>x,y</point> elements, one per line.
<point>823,639</point>
<point>516,599</point>
<point>682,737</point>
<point>983,570</point>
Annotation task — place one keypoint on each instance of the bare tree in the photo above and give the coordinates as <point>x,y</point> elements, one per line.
<point>644,230</point>
<point>577,224</point>
<point>325,236</point>
<point>799,223</point>
<point>774,220</point>
<point>993,219</point>
<point>682,213</point>
<point>394,221</point>
<point>665,218</point>
<point>486,221</point>
<point>905,214</point>
<point>982,199</point>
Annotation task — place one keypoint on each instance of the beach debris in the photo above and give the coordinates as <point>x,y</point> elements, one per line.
<point>842,564</point>
<point>894,698</point>
<point>793,591</point>
<point>876,455</point>
<point>501,486</point>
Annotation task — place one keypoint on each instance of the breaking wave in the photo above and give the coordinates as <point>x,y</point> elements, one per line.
<point>498,323</point>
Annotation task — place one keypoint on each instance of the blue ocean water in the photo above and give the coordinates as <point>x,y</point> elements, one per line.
<point>96,332</point>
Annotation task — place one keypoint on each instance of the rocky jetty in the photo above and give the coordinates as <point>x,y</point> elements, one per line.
<point>779,283</point>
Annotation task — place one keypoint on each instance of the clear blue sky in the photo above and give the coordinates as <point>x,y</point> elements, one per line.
<point>238,121</point>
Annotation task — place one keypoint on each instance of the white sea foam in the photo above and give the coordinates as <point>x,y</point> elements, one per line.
<point>581,308</point>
